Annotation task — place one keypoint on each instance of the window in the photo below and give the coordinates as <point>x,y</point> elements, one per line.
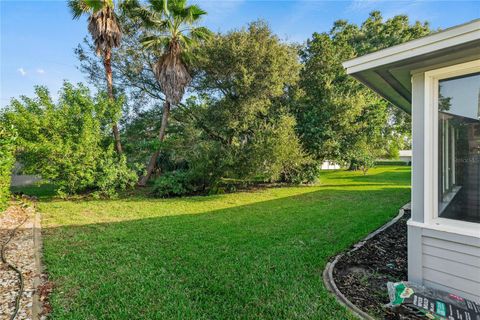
<point>459,148</point>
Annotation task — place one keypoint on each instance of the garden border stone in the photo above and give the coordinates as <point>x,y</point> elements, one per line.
<point>37,306</point>
<point>329,280</point>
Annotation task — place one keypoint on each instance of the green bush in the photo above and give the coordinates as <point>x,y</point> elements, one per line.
<point>306,173</point>
<point>390,163</point>
<point>173,184</point>
<point>7,159</point>
<point>69,142</point>
<point>113,174</point>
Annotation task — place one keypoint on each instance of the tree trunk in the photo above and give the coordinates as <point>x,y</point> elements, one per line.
<point>161,136</point>
<point>108,72</point>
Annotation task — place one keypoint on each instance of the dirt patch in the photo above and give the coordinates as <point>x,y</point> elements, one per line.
<point>362,274</point>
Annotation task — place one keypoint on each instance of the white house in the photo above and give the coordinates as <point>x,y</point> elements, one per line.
<point>405,156</point>
<point>437,80</point>
<point>330,165</point>
<point>19,179</point>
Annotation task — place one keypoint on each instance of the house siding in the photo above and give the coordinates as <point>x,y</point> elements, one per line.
<point>446,261</point>
<point>437,259</point>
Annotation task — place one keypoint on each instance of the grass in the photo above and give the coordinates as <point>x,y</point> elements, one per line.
<point>248,255</point>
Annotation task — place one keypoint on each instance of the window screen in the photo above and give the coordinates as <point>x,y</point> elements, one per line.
<point>459,148</point>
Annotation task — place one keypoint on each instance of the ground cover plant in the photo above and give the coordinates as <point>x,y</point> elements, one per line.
<point>248,255</point>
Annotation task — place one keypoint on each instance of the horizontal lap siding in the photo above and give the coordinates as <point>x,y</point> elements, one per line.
<point>466,259</point>
<point>444,287</point>
<point>452,266</point>
<point>451,246</point>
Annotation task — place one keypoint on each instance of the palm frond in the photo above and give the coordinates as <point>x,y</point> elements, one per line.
<point>150,18</point>
<point>97,5</point>
<point>172,39</point>
<point>77,8</point>
<point>200,34</point>
<point>176,6</point>
<point>186,41</point>
<point>155,42</point>
<point>159,6</point>
<point>105,30</point>
<point>193,13</point>
<point>126,6</point>
<point>172,74</point>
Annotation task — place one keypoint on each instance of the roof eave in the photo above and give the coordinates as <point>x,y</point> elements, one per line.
<point>447,38</point>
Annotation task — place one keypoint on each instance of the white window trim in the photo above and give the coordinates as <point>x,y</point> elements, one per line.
<point>431,217</point>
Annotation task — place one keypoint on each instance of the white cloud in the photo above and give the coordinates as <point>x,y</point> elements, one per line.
<point>362,5</point>
<point>40,71</point>
<point>22,71</point>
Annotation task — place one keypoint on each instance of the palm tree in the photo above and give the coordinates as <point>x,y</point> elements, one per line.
<point>106,33</point>
<point>171,33</point>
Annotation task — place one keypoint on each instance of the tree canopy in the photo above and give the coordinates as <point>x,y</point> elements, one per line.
<point>241,107</point>
<point>337,116</point>
<point>67,142</point>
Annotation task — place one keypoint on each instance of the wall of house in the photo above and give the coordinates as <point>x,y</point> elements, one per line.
<point>329,165</point>
<point>406,159</point>
<point>451,262</point>
<point>19,179</point>
<point>443,259</point>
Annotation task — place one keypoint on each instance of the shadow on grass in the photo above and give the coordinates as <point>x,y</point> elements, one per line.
<point>257,261</point>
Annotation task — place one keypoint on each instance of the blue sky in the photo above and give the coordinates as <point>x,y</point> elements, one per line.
<point>37,38</point>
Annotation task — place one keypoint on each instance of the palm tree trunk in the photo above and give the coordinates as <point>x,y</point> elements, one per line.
<point>108,72</point>
<point>161,136</point>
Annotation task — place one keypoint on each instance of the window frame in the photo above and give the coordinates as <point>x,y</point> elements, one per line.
<point>431,147</point>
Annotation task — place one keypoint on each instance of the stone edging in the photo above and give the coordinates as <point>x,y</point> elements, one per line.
<point>37,306</point>
<point>329,281</point>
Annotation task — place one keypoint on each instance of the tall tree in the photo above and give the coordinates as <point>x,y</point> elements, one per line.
<point>339,118</point>
<point>244,80</point>
<point>106,34</point>
<point>171,33</point>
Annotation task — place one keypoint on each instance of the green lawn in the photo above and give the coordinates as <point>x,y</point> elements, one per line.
<point>249,255</point>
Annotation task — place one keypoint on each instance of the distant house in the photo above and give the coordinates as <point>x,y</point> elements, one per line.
<point>405,156</point>
<point>19,180</point>
<point>437,79</point>
<point>329,165</point>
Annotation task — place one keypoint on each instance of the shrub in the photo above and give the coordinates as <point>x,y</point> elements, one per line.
<point>7,159</point>
<point>113,174</point>
<point>391,163</point>
<point>69,142</point>
<point>171,184</point>
<point>306,173</point>
<point>363,156</point>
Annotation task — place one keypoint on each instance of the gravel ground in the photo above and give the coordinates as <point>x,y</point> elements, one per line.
<point>20,253</point>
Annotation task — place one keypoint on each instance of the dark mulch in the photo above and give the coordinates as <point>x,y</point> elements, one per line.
<point>362,275</point>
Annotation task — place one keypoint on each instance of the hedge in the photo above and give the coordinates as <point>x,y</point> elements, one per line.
<point>391,163</point>
<point>7,159</point>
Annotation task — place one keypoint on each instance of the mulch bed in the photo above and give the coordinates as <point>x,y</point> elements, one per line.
<point>361,275</point>
<point>18,220</point>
